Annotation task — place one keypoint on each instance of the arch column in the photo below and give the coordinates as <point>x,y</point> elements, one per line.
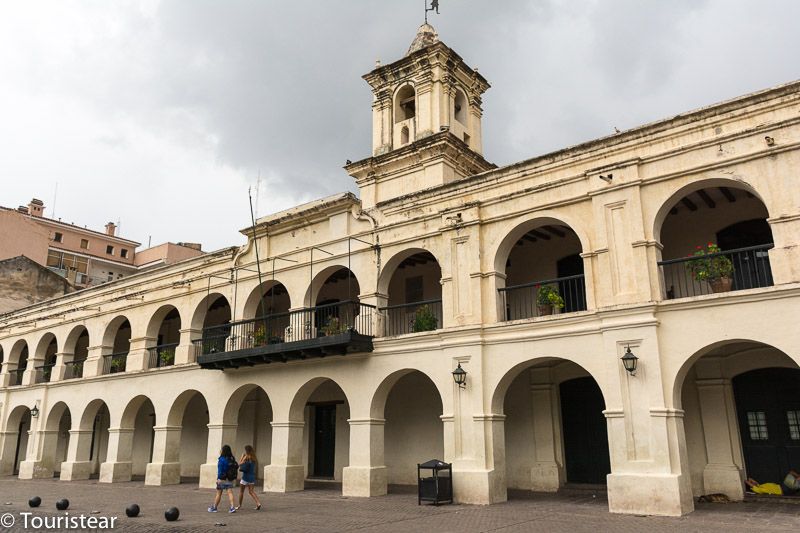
<point>286,472</point>
<point>547,473</point>
<point>5,376</point>
<point>185,352</point>
<point>366,474</point>
<point>166,467</point>
<point>724,472</point>
<point>8,445</point>
<point>138,356</point>
<point>59,371</point>
<point>118,466</point>
<point>42,466</point>
<point>218,435</point>
<point>77,465</point>
<point>93,366</point>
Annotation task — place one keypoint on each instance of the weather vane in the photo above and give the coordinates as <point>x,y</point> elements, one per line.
<point>434,7</point>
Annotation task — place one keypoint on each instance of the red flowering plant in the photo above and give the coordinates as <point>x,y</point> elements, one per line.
<point>708,265</point>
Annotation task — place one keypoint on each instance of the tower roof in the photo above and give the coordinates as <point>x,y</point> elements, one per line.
<point>426,36</point>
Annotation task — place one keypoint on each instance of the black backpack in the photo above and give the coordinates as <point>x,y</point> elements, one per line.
<point>233,469</point>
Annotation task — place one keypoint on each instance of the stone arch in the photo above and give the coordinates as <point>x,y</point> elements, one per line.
<point>15,443</point>
<point>317,293</point>
<point>163,313</point>
<point>236,399</point>
<point>268,291</point>
<point>93,437</point>
<point>380,395</point>
<point>189,412</point>
<point>404,102</point>
<point>461,106</point>
<point>117,332</point>
<point>74,335</point>
<point>129,413</point>
<point>201,315</point>
<point>520,226</point>
<point>250,410</point>
<point>412,284</point>
<point>46,347</point>
<point>675,196</point>
<point>392,263</point>
<point>55,441</point>
<point>18,349</point>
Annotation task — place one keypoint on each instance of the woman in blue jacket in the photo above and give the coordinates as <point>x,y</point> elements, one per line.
<point>247,465</point>
<point>224,464</point>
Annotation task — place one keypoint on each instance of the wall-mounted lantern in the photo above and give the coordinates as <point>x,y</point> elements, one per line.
<point>35,411</point>
<point>630,361</point>
<point>460,376</point>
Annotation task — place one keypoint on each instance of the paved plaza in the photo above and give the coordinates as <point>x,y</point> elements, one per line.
<point>324,509</point>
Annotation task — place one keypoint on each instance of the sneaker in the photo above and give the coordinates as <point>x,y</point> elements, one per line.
<point>258,507</point>
<point>232,510</point>
<point>212,509</point>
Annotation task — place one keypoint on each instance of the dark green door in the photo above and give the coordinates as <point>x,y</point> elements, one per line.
<point>585,431</point>
<point>768,408</point>
<point>324,440</point>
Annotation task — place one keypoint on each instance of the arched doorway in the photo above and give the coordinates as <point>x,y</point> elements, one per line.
<point>336,308</point>
<point>555,430</point>
<point>741,406</point>
<point>415,293</point>
<point>15,442</point>
<point>211,317</point>
<point>266,315</point>
<point>55,440</point>
<point>76,351</point>
<point>544,270</point>
<point>45,358</point>
<point>180,447</point>
<point>712,232</point>
<point>250,410</point>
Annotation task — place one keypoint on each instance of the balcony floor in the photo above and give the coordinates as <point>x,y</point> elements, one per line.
<point>342,344</point>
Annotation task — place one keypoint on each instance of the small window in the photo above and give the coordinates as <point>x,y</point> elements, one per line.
<point>59,237</point>
<point>404,136</point>
<point>110,276</point>
<point>793,418</point>
<point>123,253</point>
<point>85,244</point>
<point>757,424</point>
<point>110,250</point>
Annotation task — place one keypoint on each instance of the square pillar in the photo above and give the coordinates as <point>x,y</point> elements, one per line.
<point>547,473</point>
<point>59,370</point>
<point>138,355</point>
<point>366,474</point>
<point>286,472</point>
<point>93,366</point>
<point>77,466</point>
<point>185,352</point>
<point>41,467</point>
<point>166,467</point>
<point>118,465</point>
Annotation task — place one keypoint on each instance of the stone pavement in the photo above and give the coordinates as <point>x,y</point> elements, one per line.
<point>324,509</point>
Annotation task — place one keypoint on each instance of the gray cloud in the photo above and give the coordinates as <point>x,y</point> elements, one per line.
<point>163,113</point>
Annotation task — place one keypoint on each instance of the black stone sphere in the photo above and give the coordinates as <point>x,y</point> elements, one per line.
<point>132,510</point>
<point>172,514</point>
<point>35,501</point>
<point>62,504</point>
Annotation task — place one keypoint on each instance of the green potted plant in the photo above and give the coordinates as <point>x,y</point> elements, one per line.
<point>424,319</point>
<point>260,336</point>
<point>117,365</point>
<point>332,327</point>
<point>548,299</point>
<point>167,357</point>
<point>717,271</point>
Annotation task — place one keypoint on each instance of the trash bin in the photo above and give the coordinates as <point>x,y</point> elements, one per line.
<point>435,482</point>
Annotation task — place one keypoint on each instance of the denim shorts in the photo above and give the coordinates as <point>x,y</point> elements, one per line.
<point>225,485</point>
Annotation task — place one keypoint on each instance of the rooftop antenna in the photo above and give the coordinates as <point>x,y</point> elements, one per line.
<point>258,192</point>
<point>55,196</point>
<point>434,7</point>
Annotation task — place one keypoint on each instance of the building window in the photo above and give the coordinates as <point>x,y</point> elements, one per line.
<point>123,253</point>
<point>85,244</point>
<point>757,424</point>
<point>110,250</point>
<point>110,276</point>
<point>59,237</point>
<point>793,417</point>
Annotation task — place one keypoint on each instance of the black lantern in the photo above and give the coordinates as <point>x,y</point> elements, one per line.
<point>35,411</point>
<point>629,361</point>
<point>460,376</point>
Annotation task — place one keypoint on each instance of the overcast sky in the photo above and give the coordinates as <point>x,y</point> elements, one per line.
<point>161,114</point>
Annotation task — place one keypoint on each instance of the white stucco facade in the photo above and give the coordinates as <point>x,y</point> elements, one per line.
<point>437,223</point>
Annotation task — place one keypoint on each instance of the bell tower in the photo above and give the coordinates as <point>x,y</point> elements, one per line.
<point>426,122</point>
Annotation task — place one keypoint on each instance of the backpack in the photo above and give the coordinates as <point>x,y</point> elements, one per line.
<point>233,469</point>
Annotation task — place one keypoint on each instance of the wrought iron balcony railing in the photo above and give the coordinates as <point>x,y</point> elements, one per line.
<point>16,376</point>
<point>742,268</point>
<point>161,355</point>
<point>301,325</point>
<point>522,301</point>
<point>115,363</point>
<point>413,318</point>
<point>74,369</point>
<point>44,373</point>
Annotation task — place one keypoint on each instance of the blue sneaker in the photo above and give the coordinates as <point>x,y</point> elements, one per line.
<point>212,509</point>
<point>232,510</point>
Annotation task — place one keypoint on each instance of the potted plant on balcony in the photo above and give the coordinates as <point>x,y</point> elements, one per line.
<point>424,319</point>
<point>117,365</point>
<point>716,270</point>
<point>167,357</point>
<point>332,327</point>
<point>260,336</point>
<point>548,299</point>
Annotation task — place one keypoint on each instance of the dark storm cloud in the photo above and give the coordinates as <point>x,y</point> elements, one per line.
<point>178,106</point>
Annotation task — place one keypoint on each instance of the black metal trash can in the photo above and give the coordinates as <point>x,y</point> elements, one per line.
<point>435,485</point>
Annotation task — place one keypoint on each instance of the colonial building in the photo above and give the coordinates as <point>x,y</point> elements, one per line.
<point>330,339</point>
